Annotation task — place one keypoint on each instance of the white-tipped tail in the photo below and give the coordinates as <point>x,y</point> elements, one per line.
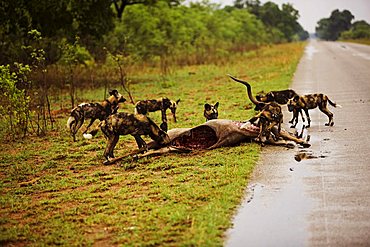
<point>339,106</point>
<point>88,136</point>
<point>69,122</point>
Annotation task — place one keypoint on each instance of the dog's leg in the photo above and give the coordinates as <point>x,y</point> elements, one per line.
<point>300,112</point>
<point>291,120</point>
<point>88,126</point>
<point>287,136</point>
<point>78,125</point>
<point>113,144</point>
<point>276,135</point>
<point>295,118</point>
<point>108,147</point>
<point>140,143</point>
<point>326,111</point>
<point>73,129</point>
<point>262,127</point>
<point>164,125</point>
<point>308,117</point>
<point>174,116</point>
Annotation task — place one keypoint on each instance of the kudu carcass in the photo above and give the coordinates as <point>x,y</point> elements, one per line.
<point>213,134</point>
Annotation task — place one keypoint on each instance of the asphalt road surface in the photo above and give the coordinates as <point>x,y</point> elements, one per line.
<point>323,200</point>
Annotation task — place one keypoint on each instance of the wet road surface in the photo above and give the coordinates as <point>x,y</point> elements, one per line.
<point>324,199</point>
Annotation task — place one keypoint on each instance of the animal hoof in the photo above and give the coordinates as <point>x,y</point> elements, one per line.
<point>306,145</point>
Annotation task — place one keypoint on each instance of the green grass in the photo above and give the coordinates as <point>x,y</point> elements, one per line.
<point>56,192</point>
<point>357,41</point>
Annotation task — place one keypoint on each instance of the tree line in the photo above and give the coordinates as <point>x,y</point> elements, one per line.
<point>145,29</point>
<point>339,26</point>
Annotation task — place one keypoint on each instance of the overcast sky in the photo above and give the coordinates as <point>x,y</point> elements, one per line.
<point>311,11</point>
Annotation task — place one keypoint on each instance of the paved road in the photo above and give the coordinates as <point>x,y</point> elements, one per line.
<point>323,201</point>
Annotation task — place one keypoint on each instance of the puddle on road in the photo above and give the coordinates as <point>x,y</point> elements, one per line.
<point>306,154</point>
<point>310,51</point>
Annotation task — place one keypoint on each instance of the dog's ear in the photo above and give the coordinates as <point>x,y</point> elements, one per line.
<point>216,105</point>
<point>113,92</point>
<point>177,101</point>
<point>271,95</point>
<point>207,107</point>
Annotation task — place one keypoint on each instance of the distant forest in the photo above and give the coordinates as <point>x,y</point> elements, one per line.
<point>149,30</point>
<point>339,26</point>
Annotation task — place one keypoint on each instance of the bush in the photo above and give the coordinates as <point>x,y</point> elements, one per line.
<point>14,108</point>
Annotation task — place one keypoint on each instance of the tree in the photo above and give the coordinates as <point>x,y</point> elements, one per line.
<point>359,30</point>
<point>331,28</point>
<point>282,23</point>
<point>14,108</point>
<point>120,5</point>
<point>55,19</point>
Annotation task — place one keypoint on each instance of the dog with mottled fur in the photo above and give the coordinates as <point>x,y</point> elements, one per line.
<point>311,101</point>
<point>162,104</point>
<point>93,111</point>
<point>269,116</point>
<point>136,125</point>
<point>281,97</point>
<point>210,111</point>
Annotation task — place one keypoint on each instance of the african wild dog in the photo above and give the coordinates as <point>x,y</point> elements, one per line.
<point>130,124</point>
<point>268,117</point>
<point>270,114</point>
<point>210,111</point>
<point>311,101</point>
<point>93,111</point>
<point>281,97</point>
<point>162,104</point>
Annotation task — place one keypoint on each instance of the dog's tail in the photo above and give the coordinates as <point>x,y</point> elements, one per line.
<point>249,91</point>
<point>74,117</point>
<point>334,104</point>
<point>71,120</point>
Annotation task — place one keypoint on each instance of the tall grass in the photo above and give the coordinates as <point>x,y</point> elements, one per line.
<point>57,192</point>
